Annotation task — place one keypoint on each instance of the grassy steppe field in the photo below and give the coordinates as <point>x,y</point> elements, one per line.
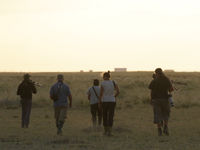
<point>133,127</point>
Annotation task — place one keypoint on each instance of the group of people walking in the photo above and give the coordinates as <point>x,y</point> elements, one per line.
<point>103,101</point>
<point>102,98</point>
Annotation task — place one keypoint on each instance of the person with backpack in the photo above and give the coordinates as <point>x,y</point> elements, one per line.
<point>93,97</point>
<point>160,87</point>
<point>169,95</point>
<point>61,95</point>
<point>25,91</point>
<point>108,93</point>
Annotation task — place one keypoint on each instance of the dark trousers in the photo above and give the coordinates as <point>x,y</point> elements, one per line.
<point>161,109</point>
<point>26,111</point>
<point>95,110</point>
<point>108,113</point>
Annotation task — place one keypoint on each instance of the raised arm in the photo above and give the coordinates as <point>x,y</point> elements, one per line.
<point>34,90</point>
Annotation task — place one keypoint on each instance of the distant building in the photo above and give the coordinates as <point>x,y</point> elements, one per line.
<point>169,70</point>
<point>120,69</point>
<point>81,71</point>
<point>90,70</point>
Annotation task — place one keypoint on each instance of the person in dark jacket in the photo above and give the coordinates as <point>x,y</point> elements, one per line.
<point>25,91</point>
<point>160,87</point>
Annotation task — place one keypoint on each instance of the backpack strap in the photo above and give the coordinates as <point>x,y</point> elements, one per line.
<point>59,87</point>
<point>58,90</point>
<point>95,92</point>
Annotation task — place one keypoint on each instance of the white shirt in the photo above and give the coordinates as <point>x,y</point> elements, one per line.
<point>93,98</point>
<point>109,91</point>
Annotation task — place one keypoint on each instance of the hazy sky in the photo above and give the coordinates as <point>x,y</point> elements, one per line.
<point>73,35</point>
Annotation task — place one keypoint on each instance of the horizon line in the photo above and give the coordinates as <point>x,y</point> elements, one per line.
<point>82,71</point>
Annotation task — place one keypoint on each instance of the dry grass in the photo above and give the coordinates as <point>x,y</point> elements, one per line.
<point>133,128</point>
<point>133,87</point>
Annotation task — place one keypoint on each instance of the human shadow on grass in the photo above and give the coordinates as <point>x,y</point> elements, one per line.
<point>117,129</point>
<point>72,142</point>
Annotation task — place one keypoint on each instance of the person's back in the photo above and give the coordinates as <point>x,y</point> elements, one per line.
<point>109,91</point>
<point>60,94</point>
<point>94,92</point>
<point>62,91</point>
<point>93,97</point>
<point>161,87</point>
<point>25,91</point>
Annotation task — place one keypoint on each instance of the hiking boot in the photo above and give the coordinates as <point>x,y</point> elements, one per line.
<point>94,122</point>
<point>159,132</point>
<point>59,131</point>
<point>99,124</point>
<point>162,123</point>
<point>94,125</point>
<point>105,131</point>
<point>110,131</point>
<point>172,104</point>
<point>166,130</point>
<point>98,128</point>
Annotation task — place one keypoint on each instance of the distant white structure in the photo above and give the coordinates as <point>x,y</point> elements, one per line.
<point>120,69</point>
<point>169,70</point>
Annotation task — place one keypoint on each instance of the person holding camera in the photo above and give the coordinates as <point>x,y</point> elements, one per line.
<point>60,94</point>
<point>160,87</point>
<point>25,91</point>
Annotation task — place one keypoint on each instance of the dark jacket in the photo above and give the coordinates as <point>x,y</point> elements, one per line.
<point>26,89</point>
<point>160,87</point>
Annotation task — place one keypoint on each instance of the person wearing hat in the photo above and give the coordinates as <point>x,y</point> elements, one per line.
<point>108,93</point>
<point>60,94</point>
<point>25,90</point>
<point>160,87</point>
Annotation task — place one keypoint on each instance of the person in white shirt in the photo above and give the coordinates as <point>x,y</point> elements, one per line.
<point>108,93</point>
<point>93,97</point>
